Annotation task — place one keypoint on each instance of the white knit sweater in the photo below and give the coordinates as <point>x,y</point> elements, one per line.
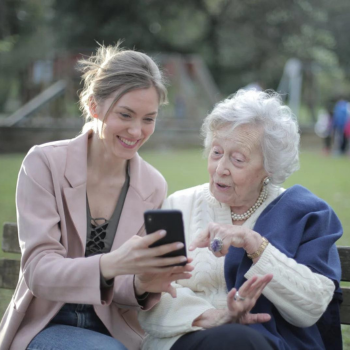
<point>300,295</point>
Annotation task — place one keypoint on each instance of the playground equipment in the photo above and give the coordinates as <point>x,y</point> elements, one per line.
<point>29,109</point>
<point>192,94</point>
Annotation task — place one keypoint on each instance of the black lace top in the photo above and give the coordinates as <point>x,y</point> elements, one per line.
<point>100,231</point>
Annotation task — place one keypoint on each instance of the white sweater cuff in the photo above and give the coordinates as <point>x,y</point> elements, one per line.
<point>300,295</point>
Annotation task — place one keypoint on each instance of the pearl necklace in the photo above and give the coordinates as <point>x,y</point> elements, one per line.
<point>249,212</point>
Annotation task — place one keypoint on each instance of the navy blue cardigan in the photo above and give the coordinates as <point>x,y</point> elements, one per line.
<point>305,228</point>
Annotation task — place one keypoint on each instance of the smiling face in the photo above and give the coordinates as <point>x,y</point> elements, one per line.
<point>130,123</point>
<point>236,166</point>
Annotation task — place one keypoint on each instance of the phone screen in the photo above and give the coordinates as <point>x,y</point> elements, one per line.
<point>170,221</point>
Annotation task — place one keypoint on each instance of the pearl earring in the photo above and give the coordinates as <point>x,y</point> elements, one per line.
<point>266,181</point>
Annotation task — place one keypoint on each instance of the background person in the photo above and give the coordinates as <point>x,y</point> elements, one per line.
<point>324,128</point>
<point>340,118</point>
<point>85,269</point>
<point>252,227</point>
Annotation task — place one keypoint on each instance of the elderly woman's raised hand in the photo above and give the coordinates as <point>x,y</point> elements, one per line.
<point>241,302</point>
<point>237,236</point>
<point>239,305</point>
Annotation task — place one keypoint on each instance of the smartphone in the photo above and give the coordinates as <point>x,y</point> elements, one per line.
<point>170,221</point>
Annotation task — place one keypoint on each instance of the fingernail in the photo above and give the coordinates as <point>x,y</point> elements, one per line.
<point>162,233</point>
<point>191,247</point>
<point>183,259</point>
<point>180,245</point>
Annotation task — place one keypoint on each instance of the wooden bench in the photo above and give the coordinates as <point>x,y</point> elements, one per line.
<point>9,268</point>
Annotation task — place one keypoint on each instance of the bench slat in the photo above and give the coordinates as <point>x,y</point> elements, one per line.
<point>344,253</point>
<point>10,238</point>
<point>345,306</point>
<point>9,273</point>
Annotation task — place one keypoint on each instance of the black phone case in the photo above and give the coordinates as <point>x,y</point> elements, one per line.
<point>170,221</point>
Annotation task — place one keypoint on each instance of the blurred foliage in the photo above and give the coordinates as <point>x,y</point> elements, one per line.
<point>241,41</point>
<point>25,36</point>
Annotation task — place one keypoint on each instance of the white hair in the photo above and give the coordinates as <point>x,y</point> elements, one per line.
<point>280,138</point>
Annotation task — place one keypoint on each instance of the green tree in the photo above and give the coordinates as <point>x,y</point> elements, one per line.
<point>24,37</point>
<point>240,40</point>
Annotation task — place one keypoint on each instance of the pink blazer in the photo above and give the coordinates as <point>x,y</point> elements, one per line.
<point>51,211</point>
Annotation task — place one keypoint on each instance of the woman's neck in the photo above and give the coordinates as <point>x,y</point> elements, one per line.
<point>103,164</point>
<point>244,215</point>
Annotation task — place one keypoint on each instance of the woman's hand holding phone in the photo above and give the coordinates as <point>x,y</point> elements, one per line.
<point>171,221</point>
<point>153,273</point>
<point>161,282</point>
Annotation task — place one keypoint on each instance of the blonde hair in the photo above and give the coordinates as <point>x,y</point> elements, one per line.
<point>114,69</point>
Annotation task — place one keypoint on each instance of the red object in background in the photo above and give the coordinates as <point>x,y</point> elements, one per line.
<point>347,128</point>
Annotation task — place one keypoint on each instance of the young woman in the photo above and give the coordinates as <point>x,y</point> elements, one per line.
<point>86,265</point>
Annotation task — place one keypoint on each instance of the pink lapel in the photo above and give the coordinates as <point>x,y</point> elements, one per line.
<point>76,174</point>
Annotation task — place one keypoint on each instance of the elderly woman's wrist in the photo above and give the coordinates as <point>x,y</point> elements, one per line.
<point>255,256</point>
<point>212,318</point>
<point>228,317</point>
<point>253,241</point>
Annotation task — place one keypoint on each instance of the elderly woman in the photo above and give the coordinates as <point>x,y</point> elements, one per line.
<point>251,226</point>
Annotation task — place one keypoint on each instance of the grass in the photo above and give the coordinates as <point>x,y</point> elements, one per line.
<point>10,165</point>
<point>325,176</point>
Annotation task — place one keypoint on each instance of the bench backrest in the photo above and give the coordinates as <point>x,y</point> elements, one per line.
<point>344,254</point>
<point>9,268</point>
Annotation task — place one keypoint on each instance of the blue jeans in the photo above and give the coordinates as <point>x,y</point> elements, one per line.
<point>76,326</point>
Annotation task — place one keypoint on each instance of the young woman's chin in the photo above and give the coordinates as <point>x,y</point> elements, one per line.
<point>126,152</point>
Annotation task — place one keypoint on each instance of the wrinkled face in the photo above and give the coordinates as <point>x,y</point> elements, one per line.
<point>130,123</point>
<point>235,165</point>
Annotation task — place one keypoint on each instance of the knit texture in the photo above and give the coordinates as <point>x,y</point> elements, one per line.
<point>303,230</point>
<point>207,287</point>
